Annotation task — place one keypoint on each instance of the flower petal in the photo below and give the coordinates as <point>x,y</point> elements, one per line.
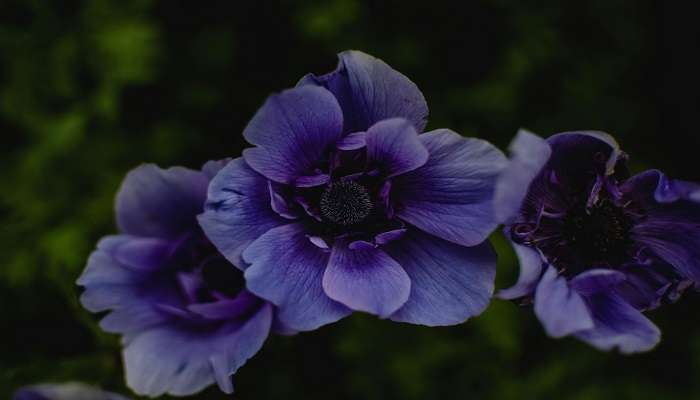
<point>451,195</point>
<point>618,325</point>
<point>531,266</point>
<point>529,153</point>
<point>596,280</point>
<point>394,147</point>
<point>561,310</point>
<point>670,228</point>
<point>237,210</point>
<point>369,91</point>
<point>286,269</point>
<point>157,202</point>
<point>449,283</point>
<point>366,280</point>
<point>292,130</point>
<point>178,361</point>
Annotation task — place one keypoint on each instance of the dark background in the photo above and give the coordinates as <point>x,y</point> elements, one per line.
<point>90,89</point>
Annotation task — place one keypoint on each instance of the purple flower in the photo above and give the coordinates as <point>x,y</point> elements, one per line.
<point>183,310</point>
<point>342,205</point>
<point>64,391</point>
<point>596,246</point>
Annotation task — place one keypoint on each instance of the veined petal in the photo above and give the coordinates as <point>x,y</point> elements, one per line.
<point>238,210</point>
<point>287,270</point>
<point>291,132</point>
<point>529,153</point>
<point>366,280</point>
<point>451,195</point>
<point>449,283</point>
<point>369,91</point>
<point>155,202</point>
<point>394,147</point>
<point>618,325</point>
<point>178,361</point>
<point>561,310</point>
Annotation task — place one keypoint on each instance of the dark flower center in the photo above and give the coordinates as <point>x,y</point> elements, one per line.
<point>219,275</point>
<point>345,203</point>
<point>599,234</point>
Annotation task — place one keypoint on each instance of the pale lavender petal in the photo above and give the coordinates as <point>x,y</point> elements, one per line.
<point>561,310</point>
<point>531,267</point>
<point>529,153</point>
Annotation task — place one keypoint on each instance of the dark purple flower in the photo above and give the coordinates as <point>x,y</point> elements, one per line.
<point>596,246</point>
<point>64,391</point>
<point>183,310</point>
<point>342,205</point>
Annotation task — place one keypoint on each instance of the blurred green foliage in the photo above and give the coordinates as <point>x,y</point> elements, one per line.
<point>90,89</point>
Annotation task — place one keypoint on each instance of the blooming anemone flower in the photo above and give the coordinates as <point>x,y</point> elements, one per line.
<point>186,318</point>
<point>64,391</point>
<point>596,246</point>
<point>342,205</point>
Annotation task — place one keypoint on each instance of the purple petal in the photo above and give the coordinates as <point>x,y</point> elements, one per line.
<point>352,141</point>
<point>143,253</point>
<point>182,362</point>
<point>596,280</point>
<point>369,91</point>
<point>618,325</point>
<point>237,210</point>
<point>389,236</point>
<point>451,195</point>
<point>286,269</point>
<point>531,266</point>
<point>670,228</point>
<point>394,147</point>
<point>227,308</point>
<point>278,203</point>
<point>163,203</point>
<point>292,131</point>
<point>529,153</point>
<point>449,283</point>
<point>366,280</point>
<point>561,310</point>
<point>578,154</point>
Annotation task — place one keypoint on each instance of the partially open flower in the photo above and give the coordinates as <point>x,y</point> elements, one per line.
<point>185,315</point>
<point>342,205</point>
<point>596,247</point>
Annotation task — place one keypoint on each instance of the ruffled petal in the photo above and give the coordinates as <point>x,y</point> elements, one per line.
<point>561,310</point>
<point>155,202</point>
<point>181,362</point>
<point>529,153</point>
<point>292,130</point>
<point>618,325</point>
<point>366,280</point>
<point>451,195</point>
<point>671,226</point>
<point>449,283</point>
<point>393,146</point>
<point>531,267</point>
<point>595,281</point>
<point>237,210</point>
<point>287,270</point>
<point>369,91</point>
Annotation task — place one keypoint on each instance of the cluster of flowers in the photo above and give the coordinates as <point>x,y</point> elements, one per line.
<point>344,204</point>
